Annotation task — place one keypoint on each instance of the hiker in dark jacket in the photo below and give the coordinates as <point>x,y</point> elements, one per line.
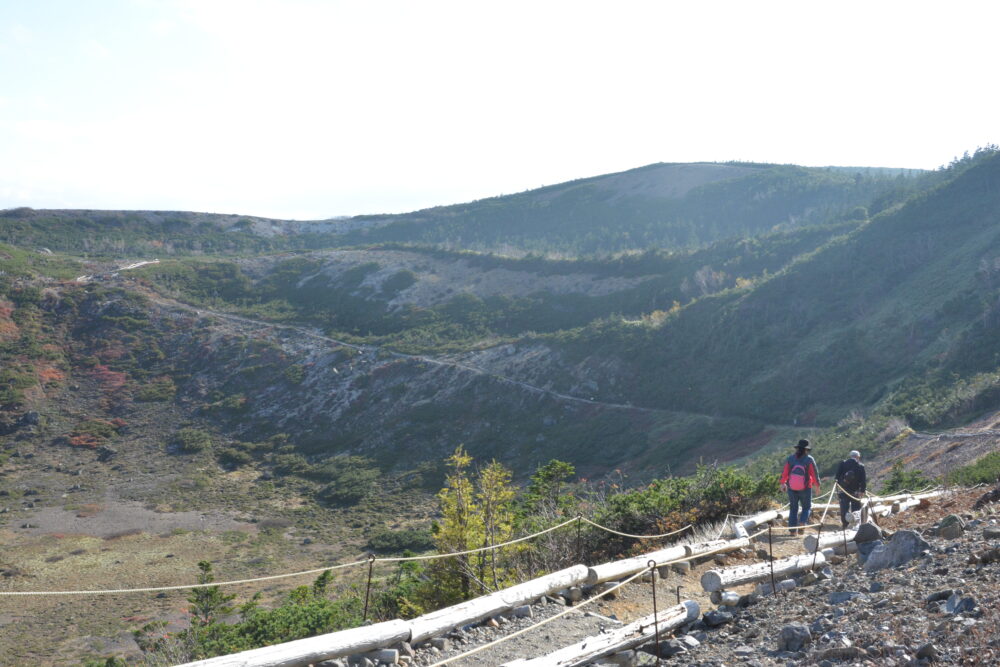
<point>799,478</point>
<point>853,483</point>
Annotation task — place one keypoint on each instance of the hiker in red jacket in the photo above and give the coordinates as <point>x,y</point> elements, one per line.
<point>799,478</point>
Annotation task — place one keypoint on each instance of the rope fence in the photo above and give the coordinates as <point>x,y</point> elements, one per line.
<point>368,561</point>
<point>590,600</point>
<point>651,568</point>
<point>544,621</point>
<point>578,520</point>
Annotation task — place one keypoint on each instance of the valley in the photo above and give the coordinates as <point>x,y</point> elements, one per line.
<point>278,396</point>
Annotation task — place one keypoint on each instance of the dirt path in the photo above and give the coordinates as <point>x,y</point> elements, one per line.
<point>371,349</point>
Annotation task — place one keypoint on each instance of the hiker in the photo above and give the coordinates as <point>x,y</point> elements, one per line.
<point>799,478</point>
<point>853,483</point>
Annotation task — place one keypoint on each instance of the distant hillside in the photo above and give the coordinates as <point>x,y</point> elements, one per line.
<point>883,306</point>
<point>669,206</point>
<point>674,206</point>
<point>892,308</point>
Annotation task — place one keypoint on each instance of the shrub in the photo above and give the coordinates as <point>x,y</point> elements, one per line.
<point>669,504</point>
<point>160,389</point>
<point>900,479</point>
<point>352,479</point>
<point>192,440</point>
<point>93,432</point>
<point>984,471</point>
<point>233,456</point>
<point>295,373</point>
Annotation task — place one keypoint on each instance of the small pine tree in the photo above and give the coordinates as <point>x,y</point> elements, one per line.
<point>457,530</point>
<point>495,497</point>
<point>208,603</point>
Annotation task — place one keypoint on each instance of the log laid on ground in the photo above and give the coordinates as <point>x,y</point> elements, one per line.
<point>838,549</point>
<point>903,505</point>
<point>717,580</point>
<point>829,539</point>
<point>629,636</point>
<point>438,622</point>
<point>716,546</point>
<point>745,527</point>
<point>308,651</point>
<point>624,568</point>
<point>888,500</point>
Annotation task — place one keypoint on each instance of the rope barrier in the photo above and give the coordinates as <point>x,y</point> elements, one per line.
<point>545,621</point>
<point>585,602</point>
<point>829,498</point>
<point>637,537</point>
<point>154,589</point>
<point>400,559</point>
<point>811,525</point>
<point>722,529</point>
<point>403,559</point>
<point>369,561</point>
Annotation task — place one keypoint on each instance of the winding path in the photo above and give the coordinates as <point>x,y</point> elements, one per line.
<point>259,324</point>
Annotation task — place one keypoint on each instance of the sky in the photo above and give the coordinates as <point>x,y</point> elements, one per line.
<point>310,109</point>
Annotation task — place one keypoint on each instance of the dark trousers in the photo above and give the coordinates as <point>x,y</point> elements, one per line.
<point>847,504</point>
<point>795,500</point>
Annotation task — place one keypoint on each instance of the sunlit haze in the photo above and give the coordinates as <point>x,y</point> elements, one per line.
<point>309,110</point>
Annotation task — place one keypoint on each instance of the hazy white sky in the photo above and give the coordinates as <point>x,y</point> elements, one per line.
<point>309,109</point>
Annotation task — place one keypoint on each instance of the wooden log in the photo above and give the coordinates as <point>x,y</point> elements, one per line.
<point>878,510</point>
<point>717,580</point>
<point>745,527</point>
<point>838,549</point>
<point>903,505</point>
<point>629,636</point>
<point>717,546</point>
<point>828,540</point>
<point>888,500</point>
<point>438,622</point>
<point>629,566</point>
<point>302,652</point>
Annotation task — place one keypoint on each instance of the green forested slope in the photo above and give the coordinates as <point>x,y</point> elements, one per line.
<point>662,205</point>
<point>909,293</point>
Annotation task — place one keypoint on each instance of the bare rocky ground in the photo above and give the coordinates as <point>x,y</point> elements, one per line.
<point>940,607</point>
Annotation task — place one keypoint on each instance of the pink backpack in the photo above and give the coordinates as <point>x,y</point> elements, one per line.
<point>798,478</point>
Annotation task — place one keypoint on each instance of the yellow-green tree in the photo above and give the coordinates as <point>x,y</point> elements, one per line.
<point>457,531</point>
<point>495,496</point>
<point>475,513</point>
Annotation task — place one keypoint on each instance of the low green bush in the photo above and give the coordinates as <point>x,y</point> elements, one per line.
<point>192,440</point>
<point>984,471</point>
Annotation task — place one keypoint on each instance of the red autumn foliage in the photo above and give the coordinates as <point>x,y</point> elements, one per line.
<point>110,380</point>
<point>50,375</point>
<point>111,353</point>
<point>84,440</point>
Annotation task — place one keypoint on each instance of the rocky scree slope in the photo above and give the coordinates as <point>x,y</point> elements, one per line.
<point>939,605</point>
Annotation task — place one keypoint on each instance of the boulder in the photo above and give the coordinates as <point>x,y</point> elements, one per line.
<point>938,596</point>
<point>794,637</point>
<point>714,619</point>
<point>951,527</point>
<point>991,533</point>
<point>867,532</point>
<point>866,548</point>
<point>524,611</point>
<point>956,604</point>
<point>668,648</point>
<point>904,546</point>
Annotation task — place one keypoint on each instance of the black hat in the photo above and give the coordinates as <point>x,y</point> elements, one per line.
<point>803,444</point>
